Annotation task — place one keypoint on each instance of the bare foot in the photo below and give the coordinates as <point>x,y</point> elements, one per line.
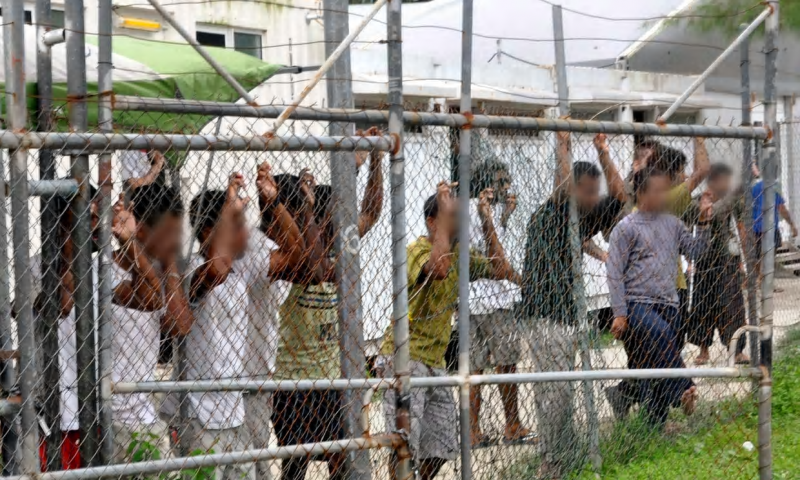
<point>516,432</point>
<point>702,358</point>
<point>689,400</point>
<point>479,439</point>
<point>742,359</point>
<point>672,428</point>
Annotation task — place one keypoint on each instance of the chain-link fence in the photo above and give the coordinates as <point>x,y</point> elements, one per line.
<point>426,294</point>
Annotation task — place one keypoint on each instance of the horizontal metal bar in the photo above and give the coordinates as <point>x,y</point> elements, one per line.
<point>45,188</point>
<point>291,69</point>
<point>99,142</point>
<point>219,459</point>
<point>251,385</point>
<point>427,382</point>
<point>734,46</point>
<point>10,406</point>
<point>377,117</point>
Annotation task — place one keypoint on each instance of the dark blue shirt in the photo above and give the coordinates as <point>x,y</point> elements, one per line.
<point>758,204</point>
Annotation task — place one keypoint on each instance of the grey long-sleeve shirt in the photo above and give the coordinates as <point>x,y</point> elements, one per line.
<point>644,248</point>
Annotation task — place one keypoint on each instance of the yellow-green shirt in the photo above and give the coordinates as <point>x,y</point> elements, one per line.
<point>431,304</point>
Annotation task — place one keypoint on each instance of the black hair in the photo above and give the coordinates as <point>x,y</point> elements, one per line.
<point>647,144</point>
<point>205,210</point>
<point>483,175</point>
<point>431,207</point>
<point>61,204</point>
<point>669,160</point>
<point>585,169</point>
<point>150,203</point>
<point>323,196</point>
<point>641,179</point>
<point>718,170</point>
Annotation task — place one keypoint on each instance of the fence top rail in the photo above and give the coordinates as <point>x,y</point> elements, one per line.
<point>201,107</point>
<point>82,143</point>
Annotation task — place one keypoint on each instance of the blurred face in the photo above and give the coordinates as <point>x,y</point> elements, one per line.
<point>587,193</point>
<point>502,186</point>
<point>451,224</point>
<point>163,240</point>
<point>653,198</point>
<point>640,157</point>
<point>720,186</point>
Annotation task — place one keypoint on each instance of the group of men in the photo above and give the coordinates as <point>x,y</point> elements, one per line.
<point>243,282</point>
<point>650,220</point>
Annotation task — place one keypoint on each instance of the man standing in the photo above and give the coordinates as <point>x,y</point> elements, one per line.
<point>547,291</point>
<point>432,300</point>
<point>494,330</point>
<point>780,212</point>
<point>717,300</point>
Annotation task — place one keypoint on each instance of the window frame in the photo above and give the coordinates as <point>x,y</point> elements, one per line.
<point>230,32</point>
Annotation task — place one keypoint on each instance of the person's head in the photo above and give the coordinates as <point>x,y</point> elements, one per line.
<point>643,152</point>
<point>587,178</point>
<point>432,211</point>
<point>651,187</point>
<point>492,173</point>
<point>720,179</point>
<point>323,214</point>
<point>205,214</point>
<point>289,194</point>
<point>158,211</point>
<point>670,161</point>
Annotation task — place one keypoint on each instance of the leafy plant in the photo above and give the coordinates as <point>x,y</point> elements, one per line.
<point>726,16</point>
<point>144,447</point>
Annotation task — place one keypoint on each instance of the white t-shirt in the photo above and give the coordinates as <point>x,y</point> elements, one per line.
<point>133,164</point>
<point>487,296</point>
<point>134,346</point>
<point>266,297</point>
<point>217,343</point>
<point>67,349</point>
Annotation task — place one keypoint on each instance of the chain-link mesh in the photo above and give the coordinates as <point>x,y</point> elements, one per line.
<point>225,274</point>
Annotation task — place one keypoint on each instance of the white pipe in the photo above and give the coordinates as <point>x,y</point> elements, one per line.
<point>716,63</point>
<point>325,66</point>
<point>54,37</point>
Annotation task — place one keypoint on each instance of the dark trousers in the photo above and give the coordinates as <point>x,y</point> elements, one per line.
<point>718,303</point>
<point>651,342</point>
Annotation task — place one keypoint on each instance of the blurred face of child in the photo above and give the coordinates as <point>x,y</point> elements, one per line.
<point>653,197</point>
<point>162,240</point>
<point>720,186</point>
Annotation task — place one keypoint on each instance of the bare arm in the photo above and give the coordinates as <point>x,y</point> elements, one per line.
<point>593,250</point>
<point>151,175</point>
<point>143,291</point>
<point>178,318</point>
<point>372,204</point>
<point>438,266</point>
<point>616,186</point>
<point>784,213</point>
<point>702,165</point>
<point>562,181</point>
<point>501,268</point>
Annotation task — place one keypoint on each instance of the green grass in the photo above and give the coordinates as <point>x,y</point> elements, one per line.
<point>708,445</point>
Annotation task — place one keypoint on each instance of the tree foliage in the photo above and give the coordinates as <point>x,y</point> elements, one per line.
<point>727,16</point>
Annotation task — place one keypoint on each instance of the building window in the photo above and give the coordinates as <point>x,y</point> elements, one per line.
<point>28,16</point>
<point>57,18</point>
<point>228,37</point>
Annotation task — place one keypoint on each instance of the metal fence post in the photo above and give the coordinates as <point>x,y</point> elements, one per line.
<point>345,220</point>
<point>14,39</point>
<point>464,180</point>
<point>770,178</point>
<point>47,323</point>
<point>765,427</point>
<point>747,182</point>
<point>394,50</point>
<point>576,248</point>
<point>105,328</point>
<point>8,377</point>
<point>82,238</point>
<point>787,141</point>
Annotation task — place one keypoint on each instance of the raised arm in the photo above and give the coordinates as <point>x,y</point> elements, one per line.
<point>217,244</point>
<point>372,204</point>
<point>152,174</point>
<point>143,291</point>
<point>286,262</point>
<point>563,183</point>
<point>438,265</point>
<point>616,186</point>
<point>702,165</point>
<point>501,268</point>
<point>178,318</point>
